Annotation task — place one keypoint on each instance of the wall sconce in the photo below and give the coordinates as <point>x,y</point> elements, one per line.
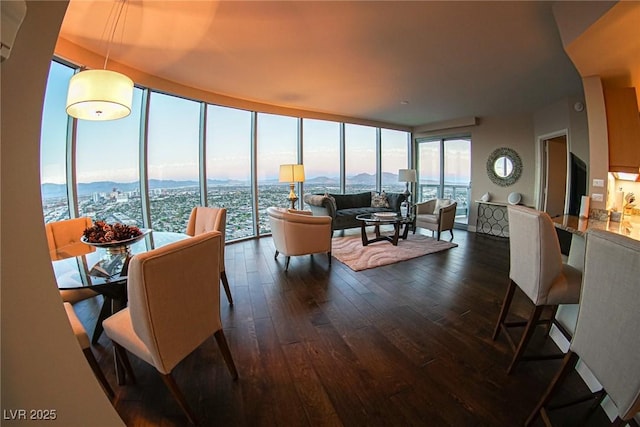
<point>292,174</point>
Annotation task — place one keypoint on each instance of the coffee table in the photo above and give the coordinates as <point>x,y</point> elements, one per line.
<point>386,218</point>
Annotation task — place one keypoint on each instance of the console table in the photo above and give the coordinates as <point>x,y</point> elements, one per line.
<point>492,219</point>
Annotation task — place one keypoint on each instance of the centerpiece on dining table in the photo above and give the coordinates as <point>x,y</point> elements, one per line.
<point>116,239</point>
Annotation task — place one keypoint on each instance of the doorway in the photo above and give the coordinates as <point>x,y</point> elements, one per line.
<point>554,175</point>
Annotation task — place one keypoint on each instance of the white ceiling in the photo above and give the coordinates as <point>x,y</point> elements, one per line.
<point>360,59</point>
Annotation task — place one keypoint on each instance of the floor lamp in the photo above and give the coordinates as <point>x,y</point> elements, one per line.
<point>292,173</point>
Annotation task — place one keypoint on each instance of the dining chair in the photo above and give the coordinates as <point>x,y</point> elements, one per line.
<point>172,309</point>
<point>83,339</point>
<point>537,269</point>
<point>204,219</point>
<point>606,336</point>
<point>63,239</point>
<point>299,233</point>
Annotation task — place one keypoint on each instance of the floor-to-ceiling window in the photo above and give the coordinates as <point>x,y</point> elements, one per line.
<point>146,169</point>
<point>360,158</point>
<point>53,145</point>
<point>108,168</point>
<point>321,151</point>
<point>229,167</point>
<point>277,145</point>
<point>444,170</point>
<point>394,156</point>
<point>173,161</point>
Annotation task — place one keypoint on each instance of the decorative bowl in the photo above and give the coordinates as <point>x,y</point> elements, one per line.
<point>117,243</point>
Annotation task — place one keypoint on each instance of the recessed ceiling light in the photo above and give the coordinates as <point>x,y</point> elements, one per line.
<point>405,102</point>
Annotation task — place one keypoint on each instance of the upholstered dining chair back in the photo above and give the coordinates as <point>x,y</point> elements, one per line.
<point>536,259</point>
<point>204,219</point>
<point>607,336</point>
<point>173,306</point>
<point>63,238</point>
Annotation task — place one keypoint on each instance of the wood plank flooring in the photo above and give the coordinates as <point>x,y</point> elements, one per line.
<point>401,345</point>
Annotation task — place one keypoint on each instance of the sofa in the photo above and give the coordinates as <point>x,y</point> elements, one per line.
<point>343,208</point>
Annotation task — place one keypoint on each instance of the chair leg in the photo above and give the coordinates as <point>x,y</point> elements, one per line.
<point>225,284</point>
<point>95,366</point>
<point>329,256</point>
<point>276,255</point>
<point>177,394</point>
<point>286,267</point>
<point>226,353</point>
<point>568,363</point>
<point>451,231</point>
<point>105,311</point>
<point>526,336</point>
<point>505,308</point>
<point>438,235</point>
<point>122,362</point>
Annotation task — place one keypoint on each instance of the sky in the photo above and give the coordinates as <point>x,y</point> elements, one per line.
<point>109,151</point>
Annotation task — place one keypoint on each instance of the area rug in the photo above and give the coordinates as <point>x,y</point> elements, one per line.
<point>349,250</point>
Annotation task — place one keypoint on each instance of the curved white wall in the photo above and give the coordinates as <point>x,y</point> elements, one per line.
<point>42,365</point>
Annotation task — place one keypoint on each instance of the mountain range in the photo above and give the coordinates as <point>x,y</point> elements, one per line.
<point>50,190</point>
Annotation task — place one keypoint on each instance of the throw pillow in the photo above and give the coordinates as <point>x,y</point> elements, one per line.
<point>332,202</point>
<point>379,200</point>
<point>441,203</point>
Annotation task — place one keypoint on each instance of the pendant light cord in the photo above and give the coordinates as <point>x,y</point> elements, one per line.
<point>113,32</point>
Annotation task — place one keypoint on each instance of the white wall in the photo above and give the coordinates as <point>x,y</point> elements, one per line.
<point>42,364</point>
<point>490,133</point>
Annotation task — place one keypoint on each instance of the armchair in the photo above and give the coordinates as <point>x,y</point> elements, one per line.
<point>436,215</point>
<point>299,233</point>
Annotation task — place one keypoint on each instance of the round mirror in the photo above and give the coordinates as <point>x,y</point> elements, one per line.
<point>504,167</point>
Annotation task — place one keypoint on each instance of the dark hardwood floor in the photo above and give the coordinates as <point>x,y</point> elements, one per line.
<point>400,345</point>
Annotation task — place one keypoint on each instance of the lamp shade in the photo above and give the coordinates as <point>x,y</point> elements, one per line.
<point>99,95</point>
<point>407,175</point>
<point>291,173</point>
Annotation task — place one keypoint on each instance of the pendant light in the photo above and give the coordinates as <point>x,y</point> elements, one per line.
<point>100,94</point>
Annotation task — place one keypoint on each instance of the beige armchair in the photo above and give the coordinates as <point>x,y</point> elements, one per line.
<point>205,219</point>
<point>172,308</point>
<point>299,233</point>
<point>437,215</point>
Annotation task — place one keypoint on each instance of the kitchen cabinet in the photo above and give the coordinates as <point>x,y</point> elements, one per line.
<point>623,127</point>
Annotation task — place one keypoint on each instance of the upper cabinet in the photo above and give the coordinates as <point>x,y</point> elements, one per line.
<point>623,127</point>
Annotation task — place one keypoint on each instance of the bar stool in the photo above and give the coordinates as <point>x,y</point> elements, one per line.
<point>607,336</point>
<point>536,268</point>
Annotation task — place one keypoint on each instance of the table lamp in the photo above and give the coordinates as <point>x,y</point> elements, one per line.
<point>292,174</point>
<point>407,176</point>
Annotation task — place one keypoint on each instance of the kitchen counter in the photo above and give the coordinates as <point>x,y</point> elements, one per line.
<point>629,226</point>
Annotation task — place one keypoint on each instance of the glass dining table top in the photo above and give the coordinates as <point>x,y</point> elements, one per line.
<point>98,268</point>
